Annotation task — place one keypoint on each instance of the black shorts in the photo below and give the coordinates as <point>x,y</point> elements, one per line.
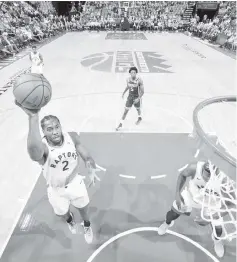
<point>130,102</point>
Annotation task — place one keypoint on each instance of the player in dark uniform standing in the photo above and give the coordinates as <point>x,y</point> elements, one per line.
<point>136,91</point>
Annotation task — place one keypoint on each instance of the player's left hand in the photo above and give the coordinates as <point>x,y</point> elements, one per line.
<point>29,112</point>
<point>136,100</point>
<point>93,177</point>
<point>92,172</point>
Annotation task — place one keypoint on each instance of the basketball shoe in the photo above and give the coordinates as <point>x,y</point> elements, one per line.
<point>88,233</point>
<point>139,120</point>
<point>72,225</point>
<point>162,229</point>
<point>119,127</point>
<point>218,247</point>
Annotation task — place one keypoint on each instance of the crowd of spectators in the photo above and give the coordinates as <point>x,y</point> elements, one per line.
<point>157,15</point>
<point>222,26</point>
<point>21,24</point>
<point>162,16</point>
<point>142,15</point>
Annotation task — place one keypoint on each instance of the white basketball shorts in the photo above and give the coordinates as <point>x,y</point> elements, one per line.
<point>75,193</point>
<point>188,204</point>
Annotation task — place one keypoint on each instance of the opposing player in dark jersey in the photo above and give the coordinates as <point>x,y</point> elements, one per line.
<point>136,90</point>
<point>58,154</point>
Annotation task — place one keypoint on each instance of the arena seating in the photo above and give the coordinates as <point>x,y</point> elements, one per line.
<point>220,30</point>
<point>162,16</point>
<point>23,23</point>
<point>142,15</point>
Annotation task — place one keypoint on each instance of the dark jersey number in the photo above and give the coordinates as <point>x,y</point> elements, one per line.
<point>65,166</point>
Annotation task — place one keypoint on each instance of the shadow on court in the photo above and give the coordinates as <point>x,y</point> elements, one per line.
<point>118,204</point>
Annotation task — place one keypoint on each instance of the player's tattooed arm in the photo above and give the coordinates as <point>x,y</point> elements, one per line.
<point>124,92</point>
<point>127,88</point>
<point>37,150</point>
<point>87,158</point>
<point>141,87</point>
<point>182,178</point>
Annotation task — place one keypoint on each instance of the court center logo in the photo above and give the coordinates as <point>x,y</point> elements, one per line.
<point>121,61</point>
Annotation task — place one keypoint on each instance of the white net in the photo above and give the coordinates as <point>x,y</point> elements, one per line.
<point>219,204</point>
<point>215,134</point>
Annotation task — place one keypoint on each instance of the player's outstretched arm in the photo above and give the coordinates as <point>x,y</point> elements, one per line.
<point>127,88</point>
<point>124,92</point>
<point>36,148</point>
<point>87,158</point>
<point>182,178</point>
<point>141,88</point>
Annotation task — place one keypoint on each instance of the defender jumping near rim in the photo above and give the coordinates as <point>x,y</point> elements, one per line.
<point>198,174</point>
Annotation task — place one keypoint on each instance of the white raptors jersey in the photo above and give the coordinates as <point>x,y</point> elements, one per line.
<point>35,58</point>
<point>62,163</point>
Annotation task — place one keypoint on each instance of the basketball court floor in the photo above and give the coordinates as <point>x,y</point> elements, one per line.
<point>139,164</point>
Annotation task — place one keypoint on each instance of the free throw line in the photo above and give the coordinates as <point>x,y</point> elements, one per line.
<point>157,177</point>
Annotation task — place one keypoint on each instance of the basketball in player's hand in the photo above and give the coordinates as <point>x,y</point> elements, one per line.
<point>32,91</point>
<point>29,112</point>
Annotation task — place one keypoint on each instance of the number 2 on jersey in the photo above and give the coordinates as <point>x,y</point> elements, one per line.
<point>65,166</point>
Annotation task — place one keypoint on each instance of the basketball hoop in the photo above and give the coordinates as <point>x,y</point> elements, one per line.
<point>218,197</point>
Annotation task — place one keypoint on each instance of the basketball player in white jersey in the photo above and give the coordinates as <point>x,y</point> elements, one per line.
<point>58,154</point>
<point>136,91</point>
<point>37,61</point>
<point>199,174</point>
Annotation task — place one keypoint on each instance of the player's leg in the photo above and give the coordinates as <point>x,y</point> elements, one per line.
<point>171,216</point>
<point>84,211</point>
<point>123,118</point>
<point>82,204</point>
<point>128,106</point>
<point>175,213</point>
<point>33,69</point>
<point>216,234</point>
<point>40,69</point>
<point>218,244</point>
<point>61,208</point>
<point>138,108</point>
<point>217,228</point>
